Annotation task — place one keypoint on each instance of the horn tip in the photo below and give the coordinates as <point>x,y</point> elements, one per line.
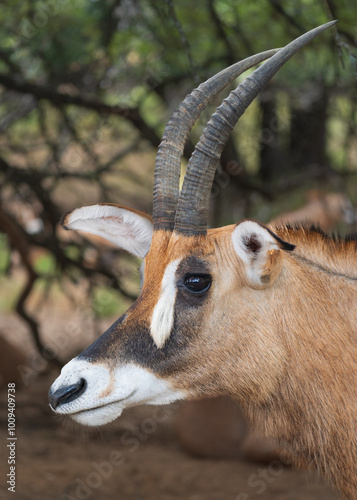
<point>328,24</point>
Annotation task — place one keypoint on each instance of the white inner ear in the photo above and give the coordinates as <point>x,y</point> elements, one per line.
<point>121,226</point>
<point>251,241</point>
<point>163,315</point>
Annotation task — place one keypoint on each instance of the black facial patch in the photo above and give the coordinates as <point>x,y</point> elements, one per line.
<point>101,348</point>
<point>191,265</point>
<point>129,340</point>
<point>123,343</point>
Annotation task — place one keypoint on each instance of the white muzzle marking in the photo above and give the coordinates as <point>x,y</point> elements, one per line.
<point>162,319</point>
<point>108,393</point>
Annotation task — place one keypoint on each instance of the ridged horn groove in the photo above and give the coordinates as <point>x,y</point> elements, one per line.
<point>193,204</point>
<point>177,130</point>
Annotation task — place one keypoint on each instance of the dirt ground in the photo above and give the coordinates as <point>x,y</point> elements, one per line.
<point>138,457</point>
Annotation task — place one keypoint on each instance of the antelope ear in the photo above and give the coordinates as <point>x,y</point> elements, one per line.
<point>260,250</point>
<point>126,228</point>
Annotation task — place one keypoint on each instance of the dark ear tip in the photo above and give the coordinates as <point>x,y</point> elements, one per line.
<point>289,247</point>
<point>64,220</point>
<point>284,245</point>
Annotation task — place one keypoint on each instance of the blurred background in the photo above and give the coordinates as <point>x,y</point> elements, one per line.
<point>86,88</point>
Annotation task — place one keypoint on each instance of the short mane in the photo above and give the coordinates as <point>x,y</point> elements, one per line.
<point>329,251</point>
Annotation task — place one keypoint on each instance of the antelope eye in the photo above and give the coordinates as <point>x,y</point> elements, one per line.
<point>197,283</point>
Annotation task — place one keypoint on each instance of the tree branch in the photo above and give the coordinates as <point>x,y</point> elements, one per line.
<point>277,6</point>
<point>60,99</point>
<point>18,241</point>
<point>221,33</point>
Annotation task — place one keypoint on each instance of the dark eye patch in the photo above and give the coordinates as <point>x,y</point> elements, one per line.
<point>194,280</point>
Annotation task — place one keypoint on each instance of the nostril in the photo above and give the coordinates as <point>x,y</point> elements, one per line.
<point>67,393</point>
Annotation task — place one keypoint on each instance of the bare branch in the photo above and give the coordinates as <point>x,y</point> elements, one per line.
<point>18,241</point>
<point>59,99</point>
<point>26,105</point>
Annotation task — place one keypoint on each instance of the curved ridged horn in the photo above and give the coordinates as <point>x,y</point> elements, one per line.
<point>193,204</point>
<point>168,159</point>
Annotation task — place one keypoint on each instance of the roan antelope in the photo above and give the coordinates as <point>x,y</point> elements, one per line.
<point>266,315</point>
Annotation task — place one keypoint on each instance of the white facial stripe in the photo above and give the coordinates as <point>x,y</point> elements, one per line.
<point>163,315</point>
<point>129,384</point>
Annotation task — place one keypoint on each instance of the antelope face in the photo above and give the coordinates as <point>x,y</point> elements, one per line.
<point>198,320</point>
<point>141,358</point>
<point>176,339</point>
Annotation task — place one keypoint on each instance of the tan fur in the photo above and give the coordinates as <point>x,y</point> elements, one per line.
<point>199,418</point>
<point>276,331</point>
<point>284,347</point>
<point>272,266</point>
<point>334,254</point>
<point>286,352</point>
<point>216,427</point>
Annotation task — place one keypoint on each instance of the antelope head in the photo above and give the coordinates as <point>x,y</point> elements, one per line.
<point>200,325</point>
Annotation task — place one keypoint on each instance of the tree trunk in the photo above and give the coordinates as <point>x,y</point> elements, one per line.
<point>308,128</point>
<point>272,157</point>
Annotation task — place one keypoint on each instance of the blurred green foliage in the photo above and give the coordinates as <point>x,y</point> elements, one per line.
<point>4,254</point>
<point>107,302</point>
